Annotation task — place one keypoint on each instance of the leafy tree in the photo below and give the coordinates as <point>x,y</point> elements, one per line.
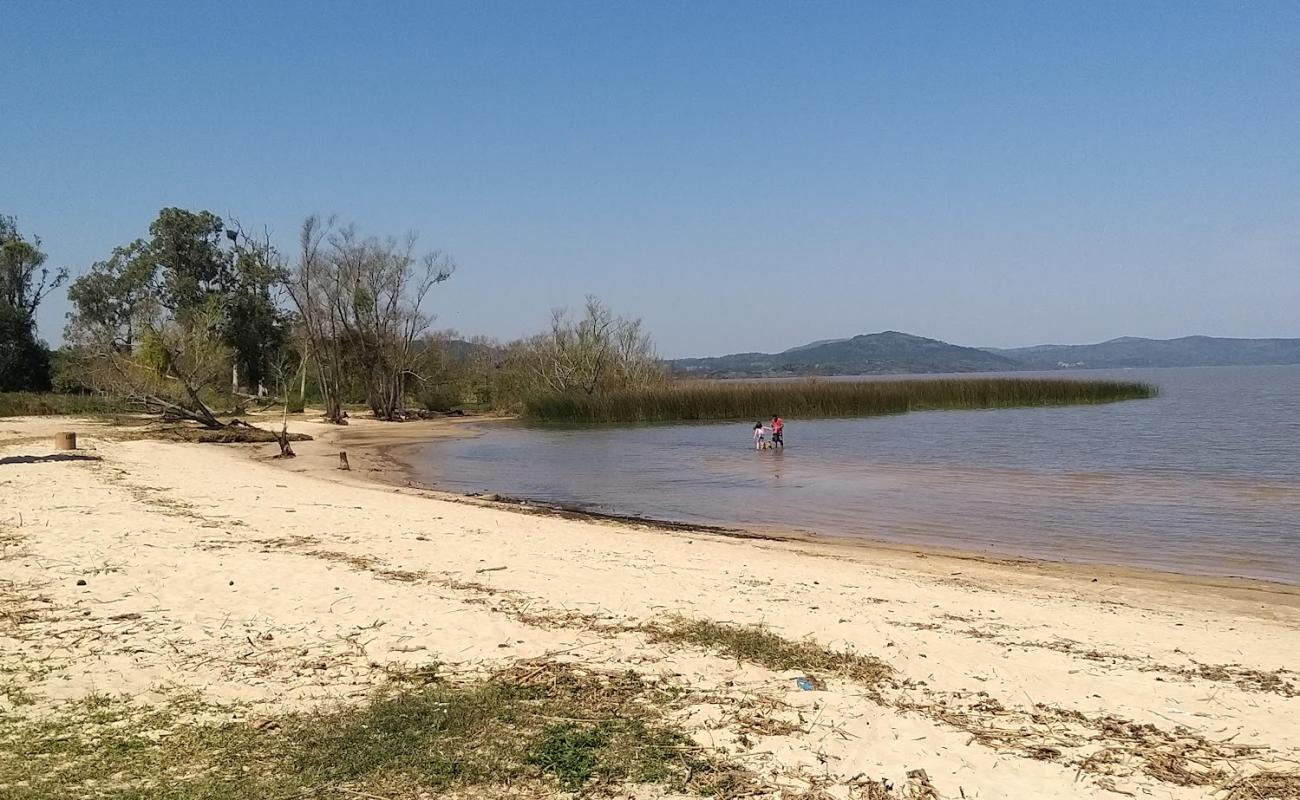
<point>164,318</point>
<point>24,283</point>
<point>256,328</point>
<point>115,300</point>
<point>186,251</point>
<point>151,317</point>
<point>22,287</point>
<point>24,361</point>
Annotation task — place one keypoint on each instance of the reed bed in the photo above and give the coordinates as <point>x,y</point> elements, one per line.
<point>703,400</point>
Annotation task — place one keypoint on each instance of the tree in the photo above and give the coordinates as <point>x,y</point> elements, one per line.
<point>21,286</point>
<point>115,299</point>
<point>24,361</point>
<point>361,301</point>
<point>150,318</point>
<point>256,328</point>
<point>311,286</point>
<point>24,283</point>
<point>597,352</point>
<point>187,255</point>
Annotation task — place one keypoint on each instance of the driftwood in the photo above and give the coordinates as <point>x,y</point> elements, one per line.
<point>282,439</point>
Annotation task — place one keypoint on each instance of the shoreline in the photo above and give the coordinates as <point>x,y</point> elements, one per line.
<point>381,452</point>
<point>390,467</point>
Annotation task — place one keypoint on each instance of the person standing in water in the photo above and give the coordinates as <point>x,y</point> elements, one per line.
<point>760,443</point>
<point>778,431</point>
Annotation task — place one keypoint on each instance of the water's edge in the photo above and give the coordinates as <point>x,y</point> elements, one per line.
<point>400,469</point>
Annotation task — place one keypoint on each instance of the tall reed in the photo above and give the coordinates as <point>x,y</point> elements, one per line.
<point>698,400</point>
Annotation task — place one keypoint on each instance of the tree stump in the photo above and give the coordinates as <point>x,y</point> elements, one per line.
<point>65,441</point>
<point>343,460</point>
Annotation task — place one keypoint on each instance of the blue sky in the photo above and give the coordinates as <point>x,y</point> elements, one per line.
<point>742,176</point>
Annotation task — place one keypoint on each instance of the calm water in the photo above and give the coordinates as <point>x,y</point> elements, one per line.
<point>1204,479</point>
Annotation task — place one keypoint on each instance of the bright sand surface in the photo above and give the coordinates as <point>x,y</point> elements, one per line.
<point>283,584</point>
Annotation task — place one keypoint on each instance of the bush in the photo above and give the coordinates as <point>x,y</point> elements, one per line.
<point>440,397</point>
<point>68,372</point>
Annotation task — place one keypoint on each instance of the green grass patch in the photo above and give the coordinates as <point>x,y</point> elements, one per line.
<point>546,726</point>
<point>46,404</point>
<point>758,645</point>
<point>701,400</point>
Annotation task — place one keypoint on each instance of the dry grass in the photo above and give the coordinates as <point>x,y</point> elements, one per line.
<point>1265,786</point>
<point>757,645</point>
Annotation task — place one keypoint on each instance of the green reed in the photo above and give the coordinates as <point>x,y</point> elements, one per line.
<point>698,400</point>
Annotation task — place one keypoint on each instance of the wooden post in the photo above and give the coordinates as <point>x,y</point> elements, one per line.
<point>65,441</point>
<point>343,460</point>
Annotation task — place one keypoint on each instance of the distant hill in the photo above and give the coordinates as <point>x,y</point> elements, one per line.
<point>1130,351</point>
<point>892,352</point>
<point>868,354</point>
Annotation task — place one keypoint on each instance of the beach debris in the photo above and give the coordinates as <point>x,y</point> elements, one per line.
<point>65,440</point>
<point>919,786</point>
<point>286,449</point>
<point>810,683</point>
<point>81,581</point>
<point>343,460</point>
<point>490,569</point>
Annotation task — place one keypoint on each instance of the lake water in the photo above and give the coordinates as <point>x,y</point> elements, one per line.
<point>1204,479</point>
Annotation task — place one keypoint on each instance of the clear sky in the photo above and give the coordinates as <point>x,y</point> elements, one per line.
<point>743,176</point>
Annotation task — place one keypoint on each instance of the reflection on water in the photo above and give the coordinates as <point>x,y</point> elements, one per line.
<point>1203,479</point>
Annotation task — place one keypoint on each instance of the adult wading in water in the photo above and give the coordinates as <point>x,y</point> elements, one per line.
<point>778,431</point>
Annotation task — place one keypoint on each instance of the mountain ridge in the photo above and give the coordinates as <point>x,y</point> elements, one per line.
<point>887,352</point>
<point>895,352</point>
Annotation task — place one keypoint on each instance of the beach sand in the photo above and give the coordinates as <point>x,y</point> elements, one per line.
<point>282,585</point>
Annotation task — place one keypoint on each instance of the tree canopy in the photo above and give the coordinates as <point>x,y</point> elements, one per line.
<point>24,279</point>
<point>24,283</point>
<point>167,315</point>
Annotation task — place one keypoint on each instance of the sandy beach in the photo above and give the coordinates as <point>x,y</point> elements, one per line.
<point>152,570</point>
